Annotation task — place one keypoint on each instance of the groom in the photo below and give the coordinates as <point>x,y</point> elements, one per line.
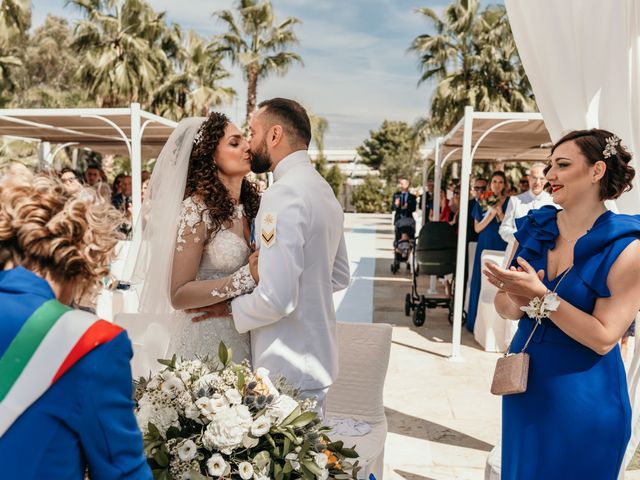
<point>303,257</point>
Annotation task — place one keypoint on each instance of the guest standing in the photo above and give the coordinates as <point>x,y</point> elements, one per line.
<point>65,384</point>
<point>574,419</point>
<point>520,205</point>
<point>487,220</point>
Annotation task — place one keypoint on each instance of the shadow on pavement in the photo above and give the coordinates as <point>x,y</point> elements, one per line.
<point>416,427</point>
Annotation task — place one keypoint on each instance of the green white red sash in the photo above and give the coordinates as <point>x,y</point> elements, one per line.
<point>49,343</point>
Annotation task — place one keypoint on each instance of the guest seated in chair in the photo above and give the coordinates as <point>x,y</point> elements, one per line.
<point>66,404</point>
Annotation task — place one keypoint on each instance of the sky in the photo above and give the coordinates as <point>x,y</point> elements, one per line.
<point>357,70</point>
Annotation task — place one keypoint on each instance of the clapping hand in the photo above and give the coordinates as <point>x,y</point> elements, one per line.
<point>520,284</point>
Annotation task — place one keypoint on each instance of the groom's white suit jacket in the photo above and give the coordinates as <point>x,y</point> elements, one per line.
<point>290,314</point>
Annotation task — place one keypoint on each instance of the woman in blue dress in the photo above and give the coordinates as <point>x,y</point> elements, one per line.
<point>487,223</point>
<point>574,419</point>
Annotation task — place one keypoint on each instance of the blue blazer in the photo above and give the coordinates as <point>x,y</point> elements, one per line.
<point>85,420</point>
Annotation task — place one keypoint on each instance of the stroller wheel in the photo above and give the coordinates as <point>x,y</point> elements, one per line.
<point>464,316</point>
<point>419,316</point>
<point>408,304</point>
<point>394,268</point>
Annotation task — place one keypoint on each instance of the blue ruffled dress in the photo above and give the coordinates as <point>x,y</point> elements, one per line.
<point>488,239</point>
<point>574,420</point>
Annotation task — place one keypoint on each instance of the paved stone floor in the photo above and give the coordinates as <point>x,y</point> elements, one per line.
<point>443,421</point>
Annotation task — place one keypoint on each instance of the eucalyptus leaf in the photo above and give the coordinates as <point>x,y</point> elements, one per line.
<point>223,353</point>
<point>349,453</point>
<point>304,419</point>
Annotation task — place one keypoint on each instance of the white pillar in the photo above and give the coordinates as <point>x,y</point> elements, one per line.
<point>425,175</point>
<point>136,161</point>
<point>462,233</point>
<point>437,180</point>
<point>44,152</point>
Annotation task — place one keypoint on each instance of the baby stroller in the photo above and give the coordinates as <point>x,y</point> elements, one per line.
<point>403,245</point>
<point>435,255</point>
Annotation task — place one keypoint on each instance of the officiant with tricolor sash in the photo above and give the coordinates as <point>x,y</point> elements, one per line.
<point>66,405</point>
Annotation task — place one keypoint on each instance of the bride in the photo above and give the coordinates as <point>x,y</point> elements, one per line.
<point>193,250</point>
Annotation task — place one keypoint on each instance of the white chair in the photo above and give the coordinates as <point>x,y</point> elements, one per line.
<point>358,391</point>
<point>150,338</point>
<point>491,331</point>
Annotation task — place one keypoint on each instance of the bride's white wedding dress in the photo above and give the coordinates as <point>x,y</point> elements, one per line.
<point>207,272</point>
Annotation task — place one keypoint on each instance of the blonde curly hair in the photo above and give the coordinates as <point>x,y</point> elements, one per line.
<point>69,237</point>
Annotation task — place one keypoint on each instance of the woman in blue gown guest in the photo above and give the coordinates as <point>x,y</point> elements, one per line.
<point>487,223</point>
<point>574,419</point>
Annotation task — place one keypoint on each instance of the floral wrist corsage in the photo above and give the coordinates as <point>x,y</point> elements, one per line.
<point>539,308</point>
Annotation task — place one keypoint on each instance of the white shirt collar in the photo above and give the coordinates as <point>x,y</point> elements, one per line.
<point>287,163</point>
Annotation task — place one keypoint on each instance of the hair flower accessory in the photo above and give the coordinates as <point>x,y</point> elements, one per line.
<point>199,134</point>
<point>611,149</point>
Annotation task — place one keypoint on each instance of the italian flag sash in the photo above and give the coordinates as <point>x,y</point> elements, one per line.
<point>49,343</point>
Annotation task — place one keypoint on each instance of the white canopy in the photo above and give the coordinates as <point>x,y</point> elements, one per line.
<point>583,60</point>
<point>125,131</point>
<point>485,136</point>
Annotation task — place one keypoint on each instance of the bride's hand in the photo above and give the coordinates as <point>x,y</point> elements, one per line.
<point>253,265</point>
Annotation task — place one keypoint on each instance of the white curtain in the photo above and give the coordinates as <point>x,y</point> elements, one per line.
<point>583,60</point>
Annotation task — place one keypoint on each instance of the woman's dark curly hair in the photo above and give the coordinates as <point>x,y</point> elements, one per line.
<point>592,143</point>
<point>204,183</point>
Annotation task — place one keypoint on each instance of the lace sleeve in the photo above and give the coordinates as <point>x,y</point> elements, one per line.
<point>186,290</point>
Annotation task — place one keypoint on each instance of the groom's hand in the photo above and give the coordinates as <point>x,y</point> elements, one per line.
<point>216,310</point>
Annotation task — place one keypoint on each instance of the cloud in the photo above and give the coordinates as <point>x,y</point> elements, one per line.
<point>357,70</point>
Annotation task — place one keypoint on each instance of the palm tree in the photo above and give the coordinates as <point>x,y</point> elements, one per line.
<point>194,86</point>
<point>473,59</point>
<point>15,20</point>
<point>121,43</point>
<point>257,43</point>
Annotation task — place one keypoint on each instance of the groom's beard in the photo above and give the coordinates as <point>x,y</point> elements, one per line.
<point>260,159</point>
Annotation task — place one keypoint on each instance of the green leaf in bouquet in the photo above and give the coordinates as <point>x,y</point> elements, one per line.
<point>286,447</point>
<point>306,473</point>
<point>288,468</point>
<point>161,474</point>
<point>291,417</point>
<point>335,446</point>
<point>270,440</point>
<point>312,467</point>
<point>193,475</point>
<point>262,459</point>
<point>304,419</point>
<point>173,432</point>
<point>349,453</point>
<point>223,354</point>
<point>277,472</point>
<point>240,384</point>
<point>161,458</point>
<point>304,449</point>
<point>154,433</point>
<point>169,363</point>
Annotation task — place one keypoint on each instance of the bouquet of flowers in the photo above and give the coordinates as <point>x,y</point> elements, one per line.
<point>488,199</point>
<point>202,420</point>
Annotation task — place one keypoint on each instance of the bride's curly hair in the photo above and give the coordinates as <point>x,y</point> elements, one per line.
<point>46,229</point>
<point>204,183</point>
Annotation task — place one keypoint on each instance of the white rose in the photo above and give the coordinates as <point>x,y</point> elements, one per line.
<point>227,429</point>
<point>323,476</point>
<point>281,408</point>
<point>245,469</point>
<point>187,451</point>
<point>172,386</point>
<point>321,460</point>
<point>184,376</point>
<point>218,403</point>
<point>248,441</point>
<point>206,380</point>
<point>192,412</point>
<point>260,426</point>
<point>204,404</point>
<point>263,374</point>
<point>233,396</point>
<point>217,466</point>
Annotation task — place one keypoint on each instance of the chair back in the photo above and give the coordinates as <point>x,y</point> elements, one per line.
<point>363,360</point>
<point>150,335</point>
